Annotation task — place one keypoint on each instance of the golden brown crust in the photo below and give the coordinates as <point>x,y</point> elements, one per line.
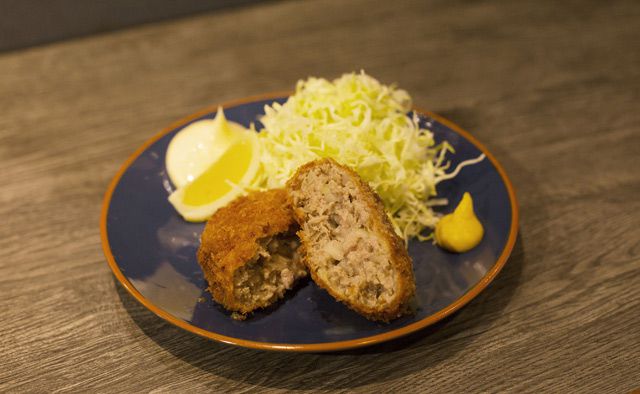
<point>399,256</point>
<point>230,240</point>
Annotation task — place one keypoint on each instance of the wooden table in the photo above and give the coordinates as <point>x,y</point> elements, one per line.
<point>552,89</point>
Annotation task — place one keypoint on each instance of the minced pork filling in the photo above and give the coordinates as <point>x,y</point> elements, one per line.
<point>274,270</point>
<point>348,253</point>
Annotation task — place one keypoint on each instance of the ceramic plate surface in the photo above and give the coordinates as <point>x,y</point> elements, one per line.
<point>152,252</point>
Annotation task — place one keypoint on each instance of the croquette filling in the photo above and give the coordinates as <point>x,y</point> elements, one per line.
<point>350,256</point>
<point>275,269</point>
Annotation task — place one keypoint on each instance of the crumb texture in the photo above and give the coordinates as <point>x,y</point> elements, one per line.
<point>351,248</point>
<point>249,251</point>
<point>274,270</point>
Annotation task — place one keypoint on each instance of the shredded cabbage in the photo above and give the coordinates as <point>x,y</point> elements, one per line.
<point>363,124</point>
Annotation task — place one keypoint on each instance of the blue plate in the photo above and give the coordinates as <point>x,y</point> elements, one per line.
<point>152,252</point>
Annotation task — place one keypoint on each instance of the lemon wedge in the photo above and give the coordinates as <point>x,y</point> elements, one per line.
<point>221,182</point>
<point>194,148</point>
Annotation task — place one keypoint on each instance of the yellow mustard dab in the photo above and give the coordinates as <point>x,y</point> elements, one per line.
<point>461,230</point>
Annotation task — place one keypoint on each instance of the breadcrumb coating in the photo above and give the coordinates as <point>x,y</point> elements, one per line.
<point>248,251</point>
<point>349,244</point>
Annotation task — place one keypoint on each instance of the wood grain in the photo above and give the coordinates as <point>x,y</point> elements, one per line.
<point>552,88</point>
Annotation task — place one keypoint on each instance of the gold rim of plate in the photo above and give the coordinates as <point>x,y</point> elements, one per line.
<point>310,347</point>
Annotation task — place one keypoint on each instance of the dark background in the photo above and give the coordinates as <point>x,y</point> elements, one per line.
<point>550,87</point>
<point>26,23</point>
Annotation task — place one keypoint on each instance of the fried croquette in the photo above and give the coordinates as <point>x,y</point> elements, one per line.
<point>350,247</point>
<point>248,251</point>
